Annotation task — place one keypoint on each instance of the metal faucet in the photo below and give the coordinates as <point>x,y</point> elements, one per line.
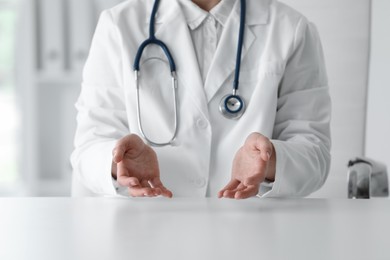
<point>367,178</point>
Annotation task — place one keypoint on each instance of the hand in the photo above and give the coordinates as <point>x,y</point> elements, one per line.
<point>254,162</point>
<point>135,166</point>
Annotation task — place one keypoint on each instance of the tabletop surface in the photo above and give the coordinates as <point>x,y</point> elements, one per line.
<point>108,228</point>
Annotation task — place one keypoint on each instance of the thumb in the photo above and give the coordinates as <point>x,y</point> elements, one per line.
<point>117,154</point>
<point>130,144</point>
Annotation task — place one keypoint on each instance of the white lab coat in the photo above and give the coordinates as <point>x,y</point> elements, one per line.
<point>283,81</point>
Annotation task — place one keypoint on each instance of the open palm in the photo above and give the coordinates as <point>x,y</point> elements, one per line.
<point>250,166</point>
<point>137,168</point>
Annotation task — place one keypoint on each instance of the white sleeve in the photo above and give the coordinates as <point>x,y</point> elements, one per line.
<point>101,118</point>
<point>301,134</point>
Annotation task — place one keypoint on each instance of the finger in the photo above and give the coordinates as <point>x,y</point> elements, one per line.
<point>126,181</point>
<point>140,191</point>
<point>233,184</point>
<point>257,178</point>
<point>250,191</point>
<point>156,183</point>
<point>156,191</point>
<point>123,178</point>
<point>165,192</point>
<point>229,194</point>
<point>117,154</point>
<point>240,187</point>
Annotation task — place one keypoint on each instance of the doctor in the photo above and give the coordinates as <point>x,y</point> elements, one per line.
<point>146,142</point>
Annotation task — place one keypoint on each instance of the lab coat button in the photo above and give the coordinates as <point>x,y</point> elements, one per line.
<point>202,123</point>
<point>175,142</point>
<point>200,182</point>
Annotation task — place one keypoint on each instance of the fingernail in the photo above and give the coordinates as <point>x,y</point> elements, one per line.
<point>269,155</point>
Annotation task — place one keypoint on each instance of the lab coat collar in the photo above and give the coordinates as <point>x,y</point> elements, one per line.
<point>224,62</point>
<point>257,11</point>
<point>170,22</point>
<point>195,15</point>
<point>173,22</point>
<point>222,11</point>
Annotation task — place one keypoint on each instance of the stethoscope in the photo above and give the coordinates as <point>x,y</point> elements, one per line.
<point>232,106</point>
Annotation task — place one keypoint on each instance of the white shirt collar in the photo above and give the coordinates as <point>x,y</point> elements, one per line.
<point>195,15</point>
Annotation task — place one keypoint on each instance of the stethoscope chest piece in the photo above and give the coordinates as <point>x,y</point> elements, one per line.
<point>232,106</point>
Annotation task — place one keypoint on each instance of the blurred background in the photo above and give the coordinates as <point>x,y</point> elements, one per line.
<point>44,44</point>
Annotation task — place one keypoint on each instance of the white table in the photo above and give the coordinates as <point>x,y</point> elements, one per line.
<point>104,228</point>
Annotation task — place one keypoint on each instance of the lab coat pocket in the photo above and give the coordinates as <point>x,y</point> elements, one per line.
<point>268,79</point>
<point>260,87</point>
<point>271,68</point>
<point>266,75</point>
<point>265,69</point>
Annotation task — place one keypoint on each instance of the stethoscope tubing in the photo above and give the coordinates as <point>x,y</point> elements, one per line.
<point>239,47</point>
<point>136,67</point>
<point>162,45</point>
<point>176,116</point>
<point>224,108</point>
<point>153,40</point>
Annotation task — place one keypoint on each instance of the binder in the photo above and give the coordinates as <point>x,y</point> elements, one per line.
<point>51,31</point>
<point>81,25</point>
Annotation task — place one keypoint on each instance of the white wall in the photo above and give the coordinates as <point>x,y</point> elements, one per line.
<point>378,112</point>
<point>53,42</point>
<point>344,27</point>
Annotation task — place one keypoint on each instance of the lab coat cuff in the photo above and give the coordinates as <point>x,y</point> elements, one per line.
<point>120,190</point>
<point>106,181</point>
<point>95,168</point>
<point>265,187</point>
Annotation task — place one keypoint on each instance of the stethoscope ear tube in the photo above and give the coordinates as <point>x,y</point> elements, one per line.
<point>153,40</point>
<point>176,115</point>
<point>150,41</point>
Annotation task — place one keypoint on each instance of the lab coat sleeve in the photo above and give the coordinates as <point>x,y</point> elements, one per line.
<point>301,135</point>
<point>101,118</point>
